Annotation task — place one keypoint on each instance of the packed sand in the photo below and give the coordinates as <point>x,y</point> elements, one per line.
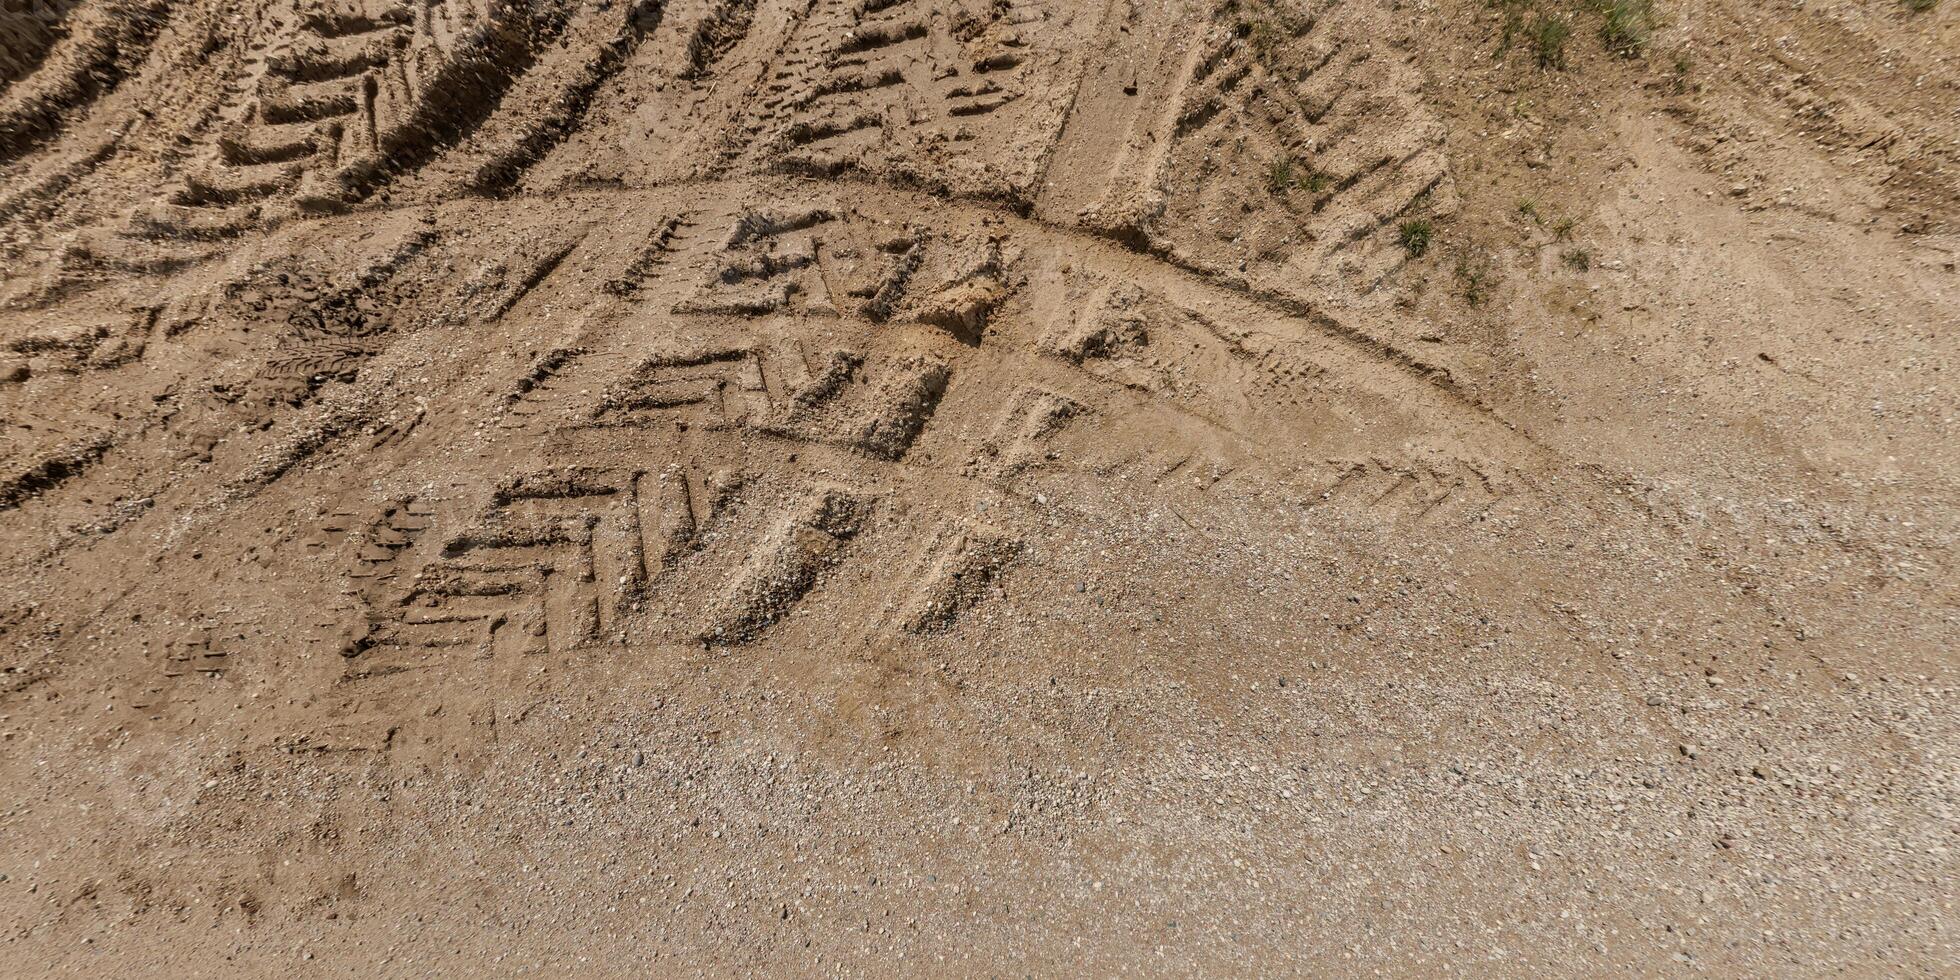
<point>990,487</point>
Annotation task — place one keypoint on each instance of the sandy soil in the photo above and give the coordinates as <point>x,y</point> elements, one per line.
<point>1024,487</point>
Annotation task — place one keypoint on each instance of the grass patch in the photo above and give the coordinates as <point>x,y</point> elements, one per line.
<point>1289,173</point>
<point>1577,258</point>
<point>1513,27</point>
<point>1529,208</point>
<point>1267,27</point>
<point>1279,177</point>
<point>1545,27</point>
<point>1627,25</point>
<point>1266,37</point>
<point>1562,228</point>
<point>1415,236</point>
<point>1548,36</point>
<point>1476,280</point>
<point>1921,6</point>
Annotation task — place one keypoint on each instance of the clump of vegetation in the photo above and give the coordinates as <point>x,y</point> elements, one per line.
<point>1513,26</point>
<point>1577,258</point>
<point>1288,173</point>
<point>1279,179</point>
<point>1548,35</point>
<point>1921,6</point>
<point>1627,25</point>
<point>1415,235</point>
<point>1263,35</point>
<point>1682,65</point>
<point>1561,227</point>
<point>1476,279</point>
<point>1266,26</point>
